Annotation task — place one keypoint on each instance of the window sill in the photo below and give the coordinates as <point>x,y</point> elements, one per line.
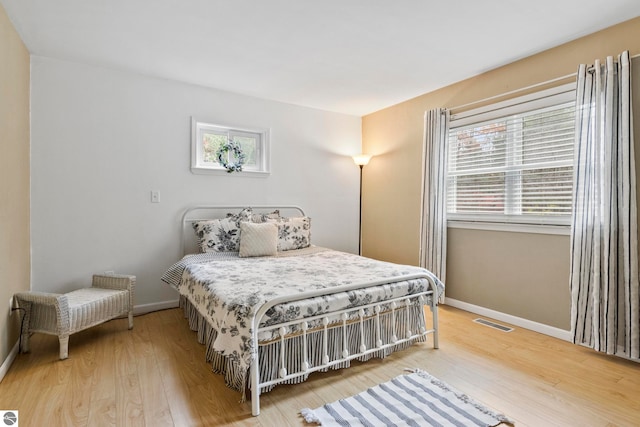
<point>564,230</point>
<point>223,172</point>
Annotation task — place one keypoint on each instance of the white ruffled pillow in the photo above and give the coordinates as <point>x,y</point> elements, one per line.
<point>258,239</point>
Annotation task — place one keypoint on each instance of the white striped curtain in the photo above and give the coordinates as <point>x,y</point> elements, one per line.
<point>605,304</point>
<point>433,226</point>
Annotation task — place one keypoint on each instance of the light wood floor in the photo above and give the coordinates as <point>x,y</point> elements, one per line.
<point>155,375</point>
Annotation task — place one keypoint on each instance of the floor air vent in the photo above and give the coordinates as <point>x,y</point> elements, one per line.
<point>493,325</point>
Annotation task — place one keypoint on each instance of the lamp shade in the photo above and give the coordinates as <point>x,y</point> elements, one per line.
<point>362,159</point>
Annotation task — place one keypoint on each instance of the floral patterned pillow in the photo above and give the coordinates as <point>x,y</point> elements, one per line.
<point>221,235</point>
<point>264,217</point>
<point>293,233</point>
<point>244,215</point>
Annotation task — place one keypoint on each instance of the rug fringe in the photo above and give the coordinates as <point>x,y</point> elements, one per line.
<point>310,416</point>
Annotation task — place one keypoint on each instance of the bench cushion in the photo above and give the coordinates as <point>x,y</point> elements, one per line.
<point>89,306</point>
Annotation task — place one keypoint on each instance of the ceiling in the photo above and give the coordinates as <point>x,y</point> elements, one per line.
<point>347,56</point>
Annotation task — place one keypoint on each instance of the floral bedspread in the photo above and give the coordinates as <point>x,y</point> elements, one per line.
<point>228,290</point>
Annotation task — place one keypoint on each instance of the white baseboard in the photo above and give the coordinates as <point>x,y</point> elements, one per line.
<point>8,361</point>
<point>516,321</point>
<point>156,306</point>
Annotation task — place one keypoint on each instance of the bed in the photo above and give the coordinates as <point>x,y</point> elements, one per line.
<point>272,308</point>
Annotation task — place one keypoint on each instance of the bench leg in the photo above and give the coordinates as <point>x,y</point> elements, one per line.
<point>24,342</point>
<point>131,320</point>
<point>64,346</point>
<point>24,333</point>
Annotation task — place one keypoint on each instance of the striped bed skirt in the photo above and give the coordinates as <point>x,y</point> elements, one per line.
<point>269,356</point>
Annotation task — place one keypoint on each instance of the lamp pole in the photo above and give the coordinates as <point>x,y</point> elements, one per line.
<point>360,219</point>
<point>361,160</point>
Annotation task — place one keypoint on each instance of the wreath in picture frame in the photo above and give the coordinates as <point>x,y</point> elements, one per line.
<point>236,150</point>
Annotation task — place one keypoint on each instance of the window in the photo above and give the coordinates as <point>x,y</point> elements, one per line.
<point>207,139</point>
<point>512,162</point>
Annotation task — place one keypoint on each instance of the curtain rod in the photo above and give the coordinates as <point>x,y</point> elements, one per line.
<point>523,89</point>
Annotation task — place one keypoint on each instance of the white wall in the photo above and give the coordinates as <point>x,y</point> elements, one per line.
<point>102,139</point>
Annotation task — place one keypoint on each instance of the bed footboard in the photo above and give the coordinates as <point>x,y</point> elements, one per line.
<point>344,320</point>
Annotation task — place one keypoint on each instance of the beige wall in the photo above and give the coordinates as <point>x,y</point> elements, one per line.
<point>525,275</point>
<point>15,256</point>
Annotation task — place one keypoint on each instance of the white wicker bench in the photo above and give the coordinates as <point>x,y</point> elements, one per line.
<point>108,297</point>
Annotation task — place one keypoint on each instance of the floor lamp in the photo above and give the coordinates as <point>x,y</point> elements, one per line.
<point>361,160</point>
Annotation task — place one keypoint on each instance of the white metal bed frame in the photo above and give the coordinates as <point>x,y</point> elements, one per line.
<point>328,319</point>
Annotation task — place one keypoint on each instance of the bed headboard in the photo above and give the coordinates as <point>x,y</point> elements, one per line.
<point>199,213</point>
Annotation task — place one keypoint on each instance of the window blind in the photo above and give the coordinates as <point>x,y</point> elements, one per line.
<point>514,162</point>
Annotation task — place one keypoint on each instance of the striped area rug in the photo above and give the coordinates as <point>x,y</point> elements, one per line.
<point>416,399</point>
